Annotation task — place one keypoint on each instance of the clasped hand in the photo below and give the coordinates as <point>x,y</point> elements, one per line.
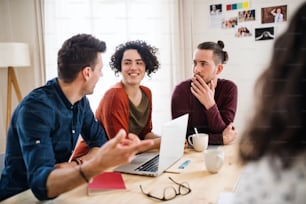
<point>203,91</point>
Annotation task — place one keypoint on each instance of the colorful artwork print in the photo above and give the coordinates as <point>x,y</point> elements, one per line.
<point>234,6</point>
<point>246,15</point>
<point>229,22</point>
<point>243,31</point>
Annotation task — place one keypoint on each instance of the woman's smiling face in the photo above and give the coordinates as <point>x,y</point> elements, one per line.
<point>132,67</point>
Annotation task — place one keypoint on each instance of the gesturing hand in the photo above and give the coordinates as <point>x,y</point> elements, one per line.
<point>202,91</point>
<point>120,150</point>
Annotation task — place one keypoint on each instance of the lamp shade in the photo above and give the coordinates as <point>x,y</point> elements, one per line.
<point>14,54</point>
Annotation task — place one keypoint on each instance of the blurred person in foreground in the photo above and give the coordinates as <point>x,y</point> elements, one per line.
<point>273,146</point>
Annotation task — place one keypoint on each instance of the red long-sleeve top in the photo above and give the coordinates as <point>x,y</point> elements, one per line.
<point>113,111</point>
<point>212,121</point>
<point>113,114</point>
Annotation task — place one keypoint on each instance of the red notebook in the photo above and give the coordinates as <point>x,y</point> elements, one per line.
<point>106,181</point>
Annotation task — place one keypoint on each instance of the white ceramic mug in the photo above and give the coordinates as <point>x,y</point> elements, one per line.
<point>199,142</point>
<point>214,159</point>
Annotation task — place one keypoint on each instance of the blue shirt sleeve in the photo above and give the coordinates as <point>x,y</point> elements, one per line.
<point>43,131</point>
<point>92,132</point>
<point>33,128</point>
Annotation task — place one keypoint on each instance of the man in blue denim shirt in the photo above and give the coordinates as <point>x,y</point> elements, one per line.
<point>45,127</point>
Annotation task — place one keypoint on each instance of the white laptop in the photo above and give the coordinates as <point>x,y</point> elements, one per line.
<point>171,150</point>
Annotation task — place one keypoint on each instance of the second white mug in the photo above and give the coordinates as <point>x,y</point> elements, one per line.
<point>214,159</point>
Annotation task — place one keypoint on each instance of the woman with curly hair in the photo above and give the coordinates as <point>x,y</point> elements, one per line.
<point>128,104</point>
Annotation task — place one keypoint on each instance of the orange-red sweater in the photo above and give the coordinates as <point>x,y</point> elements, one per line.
<point>113,111</point>
<point>113,114</point>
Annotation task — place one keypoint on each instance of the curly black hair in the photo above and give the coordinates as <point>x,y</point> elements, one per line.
<point>146,51</point>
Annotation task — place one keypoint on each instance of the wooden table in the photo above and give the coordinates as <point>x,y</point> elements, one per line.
<point>205,186</point>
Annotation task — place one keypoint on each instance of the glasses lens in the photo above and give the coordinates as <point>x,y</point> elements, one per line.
<point>169,193</point>
<point>184,188</point>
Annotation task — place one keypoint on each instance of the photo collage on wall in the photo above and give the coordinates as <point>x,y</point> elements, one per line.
<point>241,19</point>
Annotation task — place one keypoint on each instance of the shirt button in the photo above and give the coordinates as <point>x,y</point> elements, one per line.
<point>73,131</point>
<point>37,141</point>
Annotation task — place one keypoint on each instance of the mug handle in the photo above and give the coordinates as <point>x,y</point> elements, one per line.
<point>189,140</point>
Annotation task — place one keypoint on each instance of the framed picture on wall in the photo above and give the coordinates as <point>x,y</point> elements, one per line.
<point>275,14</point>
<point>246,15</point>
<point>216,16</point>
<point>229,22</point>
<point>215,9</point>
<point>264,33</point>
<point>243,31</point>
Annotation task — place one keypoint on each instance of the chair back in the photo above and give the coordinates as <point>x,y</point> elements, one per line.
<point>1,162</point>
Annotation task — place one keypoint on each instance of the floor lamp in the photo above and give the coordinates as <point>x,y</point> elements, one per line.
<point>13,55</point>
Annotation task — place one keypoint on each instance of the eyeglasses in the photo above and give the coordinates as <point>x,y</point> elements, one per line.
<point>170,192</point>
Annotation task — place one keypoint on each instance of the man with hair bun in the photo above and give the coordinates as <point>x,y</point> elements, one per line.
<point>211,102</point>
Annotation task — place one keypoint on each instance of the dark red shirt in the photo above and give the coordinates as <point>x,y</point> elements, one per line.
<point>212,121</point>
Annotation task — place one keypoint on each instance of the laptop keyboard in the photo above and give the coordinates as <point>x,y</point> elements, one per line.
<point>151,165</point>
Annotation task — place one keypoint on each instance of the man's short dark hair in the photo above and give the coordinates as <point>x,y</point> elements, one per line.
<point>76,53</point>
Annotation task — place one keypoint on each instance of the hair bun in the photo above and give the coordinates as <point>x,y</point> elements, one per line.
<point>220,43</point>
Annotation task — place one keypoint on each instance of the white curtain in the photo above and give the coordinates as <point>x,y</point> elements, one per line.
<point>40,45</point>
<point>159,22</point>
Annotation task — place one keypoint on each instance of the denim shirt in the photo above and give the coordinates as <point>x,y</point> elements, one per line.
<point>43,131</point>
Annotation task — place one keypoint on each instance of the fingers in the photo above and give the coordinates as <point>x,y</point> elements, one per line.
<point>132,143</point>
<point>186,144</point>
<point>229,134</point>
<point>121,133</point>
<point>196,86</point>
<point>194,89</point>
<point>231,126</point>
<point>211,84</point>
<point>143,145</point>
<point>232,129</point>
<point>200,80</point>
<point>133,137</point>
<point>198,83</point>
<point>131,150</point>
<point>120,136</point>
